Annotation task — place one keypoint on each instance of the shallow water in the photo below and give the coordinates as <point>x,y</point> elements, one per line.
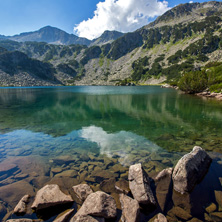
<point>86,129</point>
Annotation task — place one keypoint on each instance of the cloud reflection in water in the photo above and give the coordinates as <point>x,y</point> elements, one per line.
<point>121,143</point>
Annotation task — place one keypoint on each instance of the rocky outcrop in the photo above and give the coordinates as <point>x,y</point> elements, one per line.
<point>130,209</point>
<point>98,204</point>
<point>50,195</point>
<point>22,204</point>
<point>160,218</point>
<point>82,191</point>
<point>139,183</point>
<point>217,96</point>
<point>190,169</point>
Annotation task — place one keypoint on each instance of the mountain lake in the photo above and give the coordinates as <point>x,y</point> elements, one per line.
<point>87,134</point>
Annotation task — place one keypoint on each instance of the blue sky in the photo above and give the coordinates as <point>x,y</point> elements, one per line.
<point>18,16</point>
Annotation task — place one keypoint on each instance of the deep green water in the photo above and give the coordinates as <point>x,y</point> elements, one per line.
<point>145,124</point>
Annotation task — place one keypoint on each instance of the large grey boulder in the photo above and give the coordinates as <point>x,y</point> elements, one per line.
<point>82,191</point>
<point>98,204</point>
<point>139,183</point>
<point>50,195</point>
<point>190,169</point>
<point>21,206</point>
<point>130,209</point>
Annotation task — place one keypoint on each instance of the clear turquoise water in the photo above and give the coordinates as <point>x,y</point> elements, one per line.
<point>122,123</point>
<point>105,117</point>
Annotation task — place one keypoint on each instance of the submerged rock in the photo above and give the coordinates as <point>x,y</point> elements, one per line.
<point>190,169</point>
<point>130,209</point>
<point>122,186</point>
<point>82,191</point>
<point>211,208</point>
<point>179,213</point>
<point>7,168</point>
<point>98,204</point>
<point>50,195</point>
<point>218,196</point>
<point>108,186</point>
<point>216,216</point>
<point>64,216</point>
<point>9,193</point>
<point>139,183</point>
<point>22,204</point>
<point>67,173</point>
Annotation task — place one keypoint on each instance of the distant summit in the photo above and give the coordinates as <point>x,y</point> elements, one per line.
<point>107,37</point>
<point>50,35</point>
<point>57,36</point>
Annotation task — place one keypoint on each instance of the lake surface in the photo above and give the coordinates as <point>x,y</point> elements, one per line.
<point>69,135</point>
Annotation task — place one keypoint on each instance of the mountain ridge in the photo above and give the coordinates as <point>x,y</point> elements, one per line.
<point>53,35</point>
<point>154,53</point>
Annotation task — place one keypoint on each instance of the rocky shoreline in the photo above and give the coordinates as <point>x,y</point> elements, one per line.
<point>206,94</point>
<point>138,195</point>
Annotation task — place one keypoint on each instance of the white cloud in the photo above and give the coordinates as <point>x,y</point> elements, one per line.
<point>190,1</point>
<point>120,15</point>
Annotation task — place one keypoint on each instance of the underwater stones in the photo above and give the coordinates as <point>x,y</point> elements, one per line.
<point>130,209</point>
<point>9,193</point>
<point>122,186</point>
<point>100,175</point>
<point>3,209</point>
<point>63,160</point>
<point>216,216</point>
<point>160,218</point>
<point>83,176</point>
<point>67,173</point>
<point>6,168</point>
<point>21,176</point>
<point>22,204</point>
<point>107,162</point>
<point>220,179</point>
<point>99,204</point>
<point>82,191</point>
<point>139,183</point>
<point>86,218</point>
<point>218,196</point>
<point>190,169</point>
<point>179,213</point>
<point>118,168</point>
<point>56,170</point>
<point>48,196</point>
<point>108,186</point>
<point>211,208</point>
